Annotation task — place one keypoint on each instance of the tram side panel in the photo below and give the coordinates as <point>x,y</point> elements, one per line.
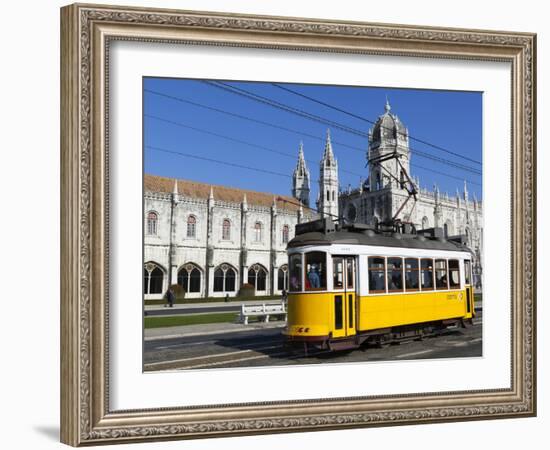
<point>384,310</point>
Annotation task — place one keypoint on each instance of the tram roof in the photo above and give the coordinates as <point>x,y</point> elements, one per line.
<point>346,237</point>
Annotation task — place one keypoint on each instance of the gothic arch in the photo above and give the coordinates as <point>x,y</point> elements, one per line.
<point>190,277</point>
<point>258,277</point>
<point>425,222</point>
<point>153,278</point>
<point>225,278</point>
<point>282,278</point>
<point>448,228</point>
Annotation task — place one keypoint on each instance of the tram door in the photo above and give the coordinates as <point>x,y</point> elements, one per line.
<point>470,309</point>
<point>344,296</point>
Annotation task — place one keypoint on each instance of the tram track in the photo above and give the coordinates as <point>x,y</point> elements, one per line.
<point>263,350</point>
<point>197,362</point>
<point>230,358</point>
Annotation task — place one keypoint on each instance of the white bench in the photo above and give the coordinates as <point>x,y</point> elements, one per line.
<point>261,310</point>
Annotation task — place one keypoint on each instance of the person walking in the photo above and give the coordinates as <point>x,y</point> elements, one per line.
<point>169,298</point>
<point>284,297</point>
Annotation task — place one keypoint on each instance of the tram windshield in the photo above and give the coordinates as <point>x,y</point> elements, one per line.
<point>295,272</point>
<point>316,271</point>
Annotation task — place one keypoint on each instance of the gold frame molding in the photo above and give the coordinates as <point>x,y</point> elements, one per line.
<point>86,31</point>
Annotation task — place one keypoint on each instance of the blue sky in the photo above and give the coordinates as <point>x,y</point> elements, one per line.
<point>178,122</point>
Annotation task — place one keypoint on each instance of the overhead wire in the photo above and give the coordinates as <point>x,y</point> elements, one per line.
<point>217,161</point>
<point>240,141</point>
<point>356,116</point>
<point>256,97</point>
<point>415,151</point>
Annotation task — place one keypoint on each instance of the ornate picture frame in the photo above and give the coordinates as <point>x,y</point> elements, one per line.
<point>87,32</point>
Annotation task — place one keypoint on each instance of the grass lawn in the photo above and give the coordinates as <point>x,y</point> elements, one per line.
<point>194,319</point>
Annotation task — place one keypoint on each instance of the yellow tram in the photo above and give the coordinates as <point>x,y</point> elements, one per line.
<point>354,285</point>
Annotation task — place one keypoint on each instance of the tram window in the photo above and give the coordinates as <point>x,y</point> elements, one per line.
<point>295,269</point>
<point>338,273</point>
<point>316,271</point>
<point>441,274</point>
<point>377,271</point>
<point>467,271</point>
<point>395,274</point>
<point>454,274</point>
<point>427,268</point>
<point>350,275</point>
<point>411,274</point>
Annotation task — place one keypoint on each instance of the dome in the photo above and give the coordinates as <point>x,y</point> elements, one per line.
<point>387,126</point>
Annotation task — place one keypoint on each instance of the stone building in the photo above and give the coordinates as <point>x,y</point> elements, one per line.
<point>383,194</point>
<point>213,239</point>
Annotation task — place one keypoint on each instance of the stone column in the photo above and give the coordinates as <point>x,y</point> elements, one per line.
<point>209,245</point>
<point>272,248</point>
<point>173,267</point>
<point>243,269</point>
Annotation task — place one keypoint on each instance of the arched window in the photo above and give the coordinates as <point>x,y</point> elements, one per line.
<point>153,278</point>
<point>257,232</point>
<point>328,196</point>
<point>224,278</point>
<point>333,195</point>
<point>190,277</point>
<point>152,220</point>
<point>351,213</point>
<point>285,234</point>
<point>425,223</point>
<point>448,228</point>
<point>226,230</point>
<point>257,277</point>
<point>191,227</point>
<point>282,278</point>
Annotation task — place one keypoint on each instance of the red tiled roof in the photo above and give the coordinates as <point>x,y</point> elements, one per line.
<point>194,189</point>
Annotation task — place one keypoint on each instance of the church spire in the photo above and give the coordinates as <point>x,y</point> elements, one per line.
<point>328,182</point>
<point>328,156</point>
<point>300,178</point>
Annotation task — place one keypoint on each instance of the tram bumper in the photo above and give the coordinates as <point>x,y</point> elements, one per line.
<point>297,336</point>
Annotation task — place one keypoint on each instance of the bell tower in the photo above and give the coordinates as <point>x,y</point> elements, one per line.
<point>388,136</point>
<point>328,182</point>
